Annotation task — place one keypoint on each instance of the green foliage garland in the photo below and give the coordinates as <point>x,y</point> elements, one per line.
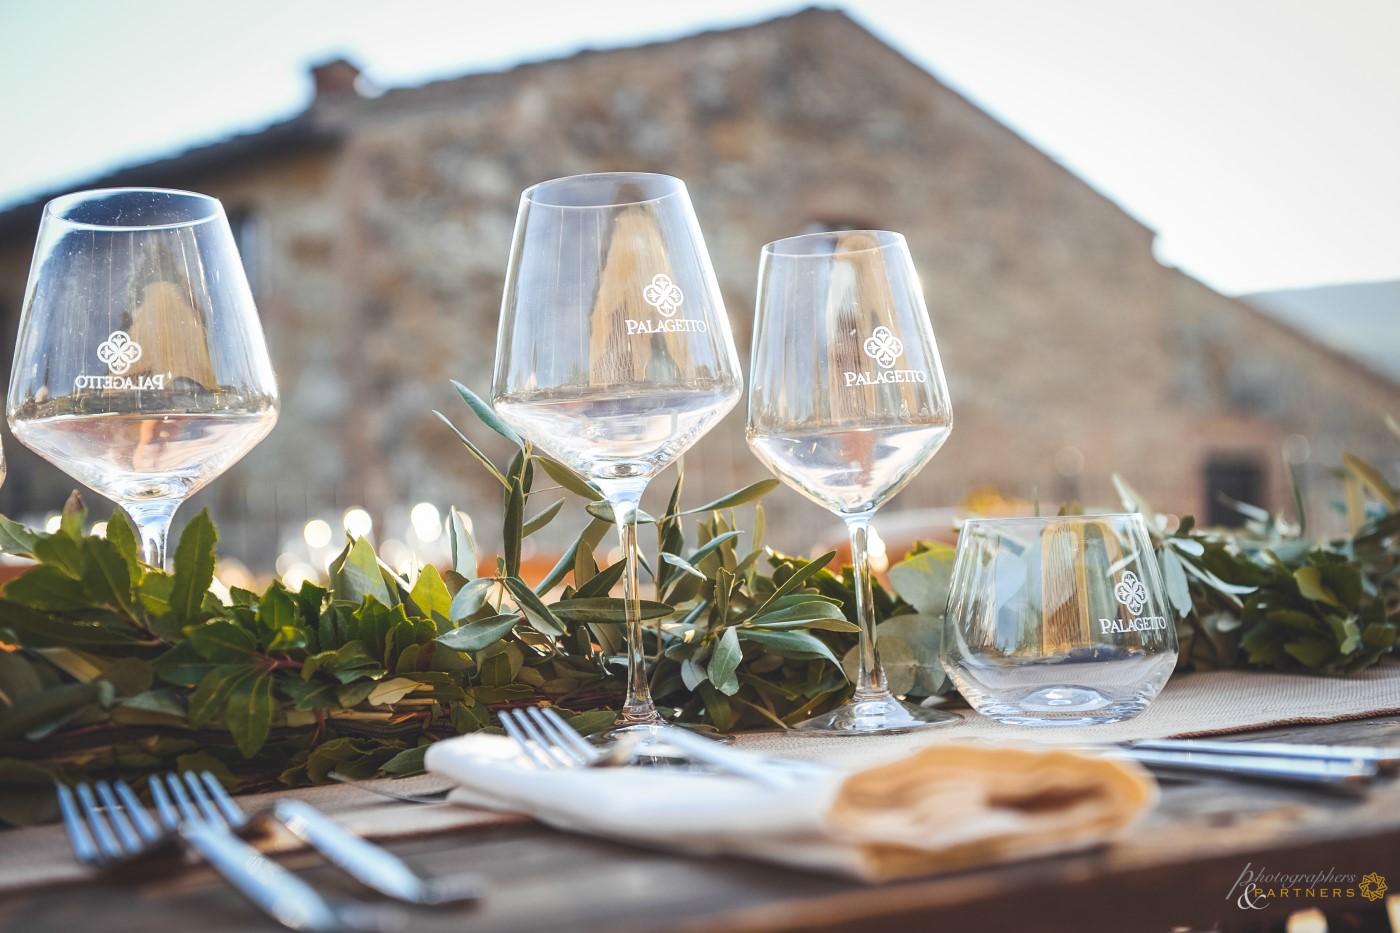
<point>118,669</point>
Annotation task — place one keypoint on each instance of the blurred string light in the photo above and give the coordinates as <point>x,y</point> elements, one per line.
<point>53,523</point>
<point>309,555</point>
<point>298,573</point>
<point>394,552</point>
<point>1297,450</point>
<point>426,521</point>
<point>358,523</point>
<point>232,572</point>
<point>317,533</point>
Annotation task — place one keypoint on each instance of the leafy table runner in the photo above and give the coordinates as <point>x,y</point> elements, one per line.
<point>1194,704</point>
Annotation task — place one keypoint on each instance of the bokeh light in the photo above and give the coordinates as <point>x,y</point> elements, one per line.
<point>317,533</point>
<point>358,522</point>
<point>426,521</point>
<point>299,573</point>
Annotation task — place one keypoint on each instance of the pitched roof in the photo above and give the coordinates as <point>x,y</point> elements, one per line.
<point>188,169</point>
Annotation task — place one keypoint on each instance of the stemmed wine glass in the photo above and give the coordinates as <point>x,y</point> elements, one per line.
<point>847,402</point>
<point>140,368</point>
<point>614,354</point>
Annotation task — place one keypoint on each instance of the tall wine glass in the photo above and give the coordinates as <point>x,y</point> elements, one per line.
<point>614,354</point>
<point>140,368</point>
<point>847,402</point>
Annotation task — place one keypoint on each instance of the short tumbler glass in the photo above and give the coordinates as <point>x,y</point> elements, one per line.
<point>1058,621</point>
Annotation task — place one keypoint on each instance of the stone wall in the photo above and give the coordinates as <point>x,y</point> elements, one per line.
<point>1070,352</point>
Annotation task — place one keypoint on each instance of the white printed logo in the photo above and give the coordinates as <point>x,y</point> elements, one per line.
<point>884,347</point>
<point>1133,595</point>
<point>1131,592</point>
<point>119,351</point>
<point>663,294</point>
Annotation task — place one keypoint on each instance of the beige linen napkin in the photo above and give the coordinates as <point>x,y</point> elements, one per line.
<point>953,806</point>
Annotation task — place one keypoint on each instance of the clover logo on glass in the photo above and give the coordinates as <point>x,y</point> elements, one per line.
<point>1131,592</point>
<point>884,347</point>
<point>119,351</point>
<point>663,294</point>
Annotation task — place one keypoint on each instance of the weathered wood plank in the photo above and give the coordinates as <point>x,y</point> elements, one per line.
<point>1177,871</point>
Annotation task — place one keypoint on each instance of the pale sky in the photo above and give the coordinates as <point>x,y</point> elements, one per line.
<point>1259,138</point>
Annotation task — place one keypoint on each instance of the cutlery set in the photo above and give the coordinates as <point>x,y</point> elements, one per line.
<point>108,825</point>
<point>546,740</point>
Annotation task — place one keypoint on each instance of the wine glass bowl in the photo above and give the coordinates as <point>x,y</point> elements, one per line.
<point>140,367</point>
<point>847,402</point>
<point>1058,621</point>
<point>614,354</point>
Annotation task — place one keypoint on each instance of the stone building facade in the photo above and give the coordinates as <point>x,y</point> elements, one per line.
<point>377,229</point>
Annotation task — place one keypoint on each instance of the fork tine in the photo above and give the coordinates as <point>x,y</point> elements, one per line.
<point>516,729</point>
<point>106,842</point>
<point>522,741</point>
<point>557,733</point>
<point>188,812</point>
<point>212,814</point>
<point>559,757</point>
<point>232,813</point>
<point>164,810</point>
<point>79,836</point>
<point>116,814</point>
<point>144,824</point>
<point>551,719</point>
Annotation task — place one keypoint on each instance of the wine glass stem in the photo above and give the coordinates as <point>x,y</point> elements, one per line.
<point>870,680</point>
<point>152,520</point>
<point>638,708</point>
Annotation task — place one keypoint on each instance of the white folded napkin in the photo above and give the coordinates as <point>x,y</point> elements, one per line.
<point>946,807</point>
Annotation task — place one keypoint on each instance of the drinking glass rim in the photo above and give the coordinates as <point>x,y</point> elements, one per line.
<point>1046,519</point>
<point>55,207</point>
<point>531,194</point>
<point>886,240</point>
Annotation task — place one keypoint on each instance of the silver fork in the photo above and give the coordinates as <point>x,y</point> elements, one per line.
<point>549,742</point>
<point>373,866</point>
<point>118,829</point>
<point>104,830</point>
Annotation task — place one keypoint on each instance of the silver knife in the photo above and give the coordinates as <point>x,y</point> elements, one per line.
<point>1386,759</point>
<point>1333,774</point>
<point>368,863</point>
<point>280,894</point>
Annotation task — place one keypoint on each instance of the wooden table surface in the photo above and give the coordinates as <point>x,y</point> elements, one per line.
<point>1175,874</point>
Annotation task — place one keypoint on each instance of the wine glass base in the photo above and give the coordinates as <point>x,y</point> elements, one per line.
<point>657,731</point>
<point>880,715</point>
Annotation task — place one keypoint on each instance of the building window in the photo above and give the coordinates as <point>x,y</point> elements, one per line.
<point>1238,477</point>
<point>247,227</point>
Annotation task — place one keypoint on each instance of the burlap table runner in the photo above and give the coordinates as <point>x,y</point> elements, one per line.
<point>1194,704</point>
<point>1217,703</point>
